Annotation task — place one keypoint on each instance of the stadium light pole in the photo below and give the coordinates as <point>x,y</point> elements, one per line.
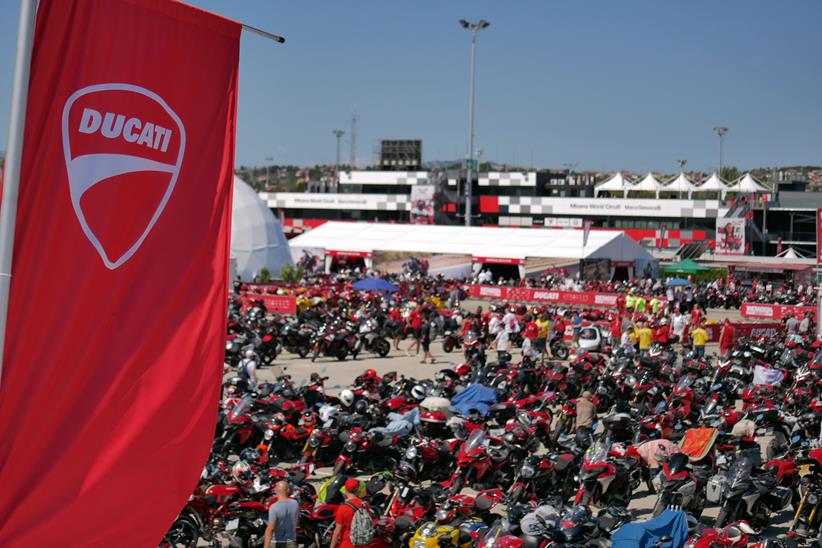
<point>469,176</point>
<point>720,131</point>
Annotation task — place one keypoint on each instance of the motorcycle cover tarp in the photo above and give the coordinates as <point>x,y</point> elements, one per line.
<point>476,396</point>
<point>401,425</point>
<point>117,308</point>
<point>645,534</point>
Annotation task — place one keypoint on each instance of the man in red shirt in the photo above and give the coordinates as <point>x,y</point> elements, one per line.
<point>726,338</point>
<point>345,514</point>
<point>663,333</point>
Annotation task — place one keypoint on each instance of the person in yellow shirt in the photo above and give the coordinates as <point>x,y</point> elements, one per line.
<point>543,331</point>
<point>698,339</point>
<point>646,336</point>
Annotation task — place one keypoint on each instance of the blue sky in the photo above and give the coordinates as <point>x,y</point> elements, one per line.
<point>633,84</point>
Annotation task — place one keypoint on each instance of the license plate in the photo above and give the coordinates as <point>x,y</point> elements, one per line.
<point>232,525</point>
<point>804,469</point>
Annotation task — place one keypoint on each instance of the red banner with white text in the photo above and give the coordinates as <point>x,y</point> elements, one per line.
<point>774,311</point>
<point>275,304</point>
<point>528,294</point>
<point>116,328</point>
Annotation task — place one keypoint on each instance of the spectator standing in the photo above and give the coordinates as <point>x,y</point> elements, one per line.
<point>429,333</point>
<point>501,343</point>
<point>576,324</point>
<point>726,338</point>
<point>646,336</point>
<point>792,325</point>
<point>345,515</point>
<point>699,337</point>
<point>543,335</point>
<point>805,324</point>
<point>282,519</point>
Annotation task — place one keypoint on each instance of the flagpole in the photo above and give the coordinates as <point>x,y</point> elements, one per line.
<point>14,155</point>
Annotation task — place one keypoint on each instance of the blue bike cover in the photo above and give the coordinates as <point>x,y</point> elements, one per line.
<point>476,396</point>
<point>645,534</point>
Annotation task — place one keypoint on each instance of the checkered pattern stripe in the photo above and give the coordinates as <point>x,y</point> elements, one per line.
<point>512,178</point>
<point>384,178</point>
<point>537,205</point>
<point>349,202</point>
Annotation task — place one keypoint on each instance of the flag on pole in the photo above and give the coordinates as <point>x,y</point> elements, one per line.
<point>586,231</point>
<point>663,234</point>
<point>116,322</point>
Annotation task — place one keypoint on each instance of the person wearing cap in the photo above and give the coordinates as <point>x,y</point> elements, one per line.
<point>282,519</point>
<point>247,368</point>
<point>345,514</point>
<point>586,411</point>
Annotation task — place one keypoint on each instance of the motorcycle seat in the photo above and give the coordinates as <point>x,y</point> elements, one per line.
<point>385,441</point>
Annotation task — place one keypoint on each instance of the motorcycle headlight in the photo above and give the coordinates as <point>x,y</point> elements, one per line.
<point>314,441</point>
<point>812,499</point>
<point>269,433</point>
<point>527,471</point>
<point>228,346</point>
<point>350,446</point>
<point>411,453</point>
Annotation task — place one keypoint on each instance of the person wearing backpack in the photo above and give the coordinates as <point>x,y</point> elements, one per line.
<point>354,524</point>
<point>247,368</point>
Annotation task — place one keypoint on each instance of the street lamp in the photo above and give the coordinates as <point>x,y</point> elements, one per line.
<point>681,164</point>
<point>474,28</point>
<point>720,131</point>
<point>338,133</point>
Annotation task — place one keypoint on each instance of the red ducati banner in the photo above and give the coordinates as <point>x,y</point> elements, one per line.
<point>116,324</point>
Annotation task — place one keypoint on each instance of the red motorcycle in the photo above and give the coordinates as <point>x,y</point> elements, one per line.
<point>480,460</point>
<point>365,451</point>
<point>731,536</point>
<point>608,476</point>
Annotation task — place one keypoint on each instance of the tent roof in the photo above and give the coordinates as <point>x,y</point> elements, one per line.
<point>748,184</point>
<point>492,242</point>
<point>615,183</point>
<point>680,184</point>
<point>649,182</point>
<point>714,183</point>
<point>686,266</point>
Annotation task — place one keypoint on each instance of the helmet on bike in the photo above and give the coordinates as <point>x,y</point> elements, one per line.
<point>369,374</point>
<point>241,472</point>
<point>347,397</point>
<point>361,407</point>
<point>250,454</point>
<point>418,392</point>
<point>328,413</point>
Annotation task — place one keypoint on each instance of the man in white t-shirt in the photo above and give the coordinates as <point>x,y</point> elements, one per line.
<point>509,321</point>
<point>678,324</point>
<point>501,343</point>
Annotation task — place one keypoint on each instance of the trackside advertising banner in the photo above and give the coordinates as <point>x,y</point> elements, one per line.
<point>116,327</point>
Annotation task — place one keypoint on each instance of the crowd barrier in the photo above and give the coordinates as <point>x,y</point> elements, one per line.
<point>276,304</point>
<point>774,311</point>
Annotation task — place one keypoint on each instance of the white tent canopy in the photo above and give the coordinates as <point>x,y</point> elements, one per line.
<point>649,183</point>
<point>680,184</point>
<point>713,184</point>
<point>748,184</point>
<point>490,242</point>
<point>257,239</point>
<point>617,183</point>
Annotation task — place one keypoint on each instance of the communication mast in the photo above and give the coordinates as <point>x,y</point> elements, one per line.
<point>353,162</point>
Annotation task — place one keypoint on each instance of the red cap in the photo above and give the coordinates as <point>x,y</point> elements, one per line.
<point>351,485</point>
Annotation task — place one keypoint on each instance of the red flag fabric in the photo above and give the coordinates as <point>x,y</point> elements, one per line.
<point>586,230</point>
<point>114,347</point>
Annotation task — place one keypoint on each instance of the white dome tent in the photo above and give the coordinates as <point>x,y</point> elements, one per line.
<point>257,239</point>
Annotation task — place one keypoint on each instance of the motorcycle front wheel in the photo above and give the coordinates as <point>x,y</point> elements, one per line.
<point>382,348</point>
<point>448,345</point>
<point>183,532</point>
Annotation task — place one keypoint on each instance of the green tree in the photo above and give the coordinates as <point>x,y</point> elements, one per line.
<point>265,275</point>
<point>730,173</point>
<point>292,274</point>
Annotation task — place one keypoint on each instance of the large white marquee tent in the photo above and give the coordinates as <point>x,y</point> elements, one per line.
<point>257,239</point>
<point>649,183</point>
<point>476,242</point>
<point>617,183</point>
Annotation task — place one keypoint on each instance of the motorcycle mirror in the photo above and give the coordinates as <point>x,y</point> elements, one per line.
<point>795,439</point>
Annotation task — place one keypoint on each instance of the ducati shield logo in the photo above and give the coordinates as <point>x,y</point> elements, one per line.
<point>124,147</point>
